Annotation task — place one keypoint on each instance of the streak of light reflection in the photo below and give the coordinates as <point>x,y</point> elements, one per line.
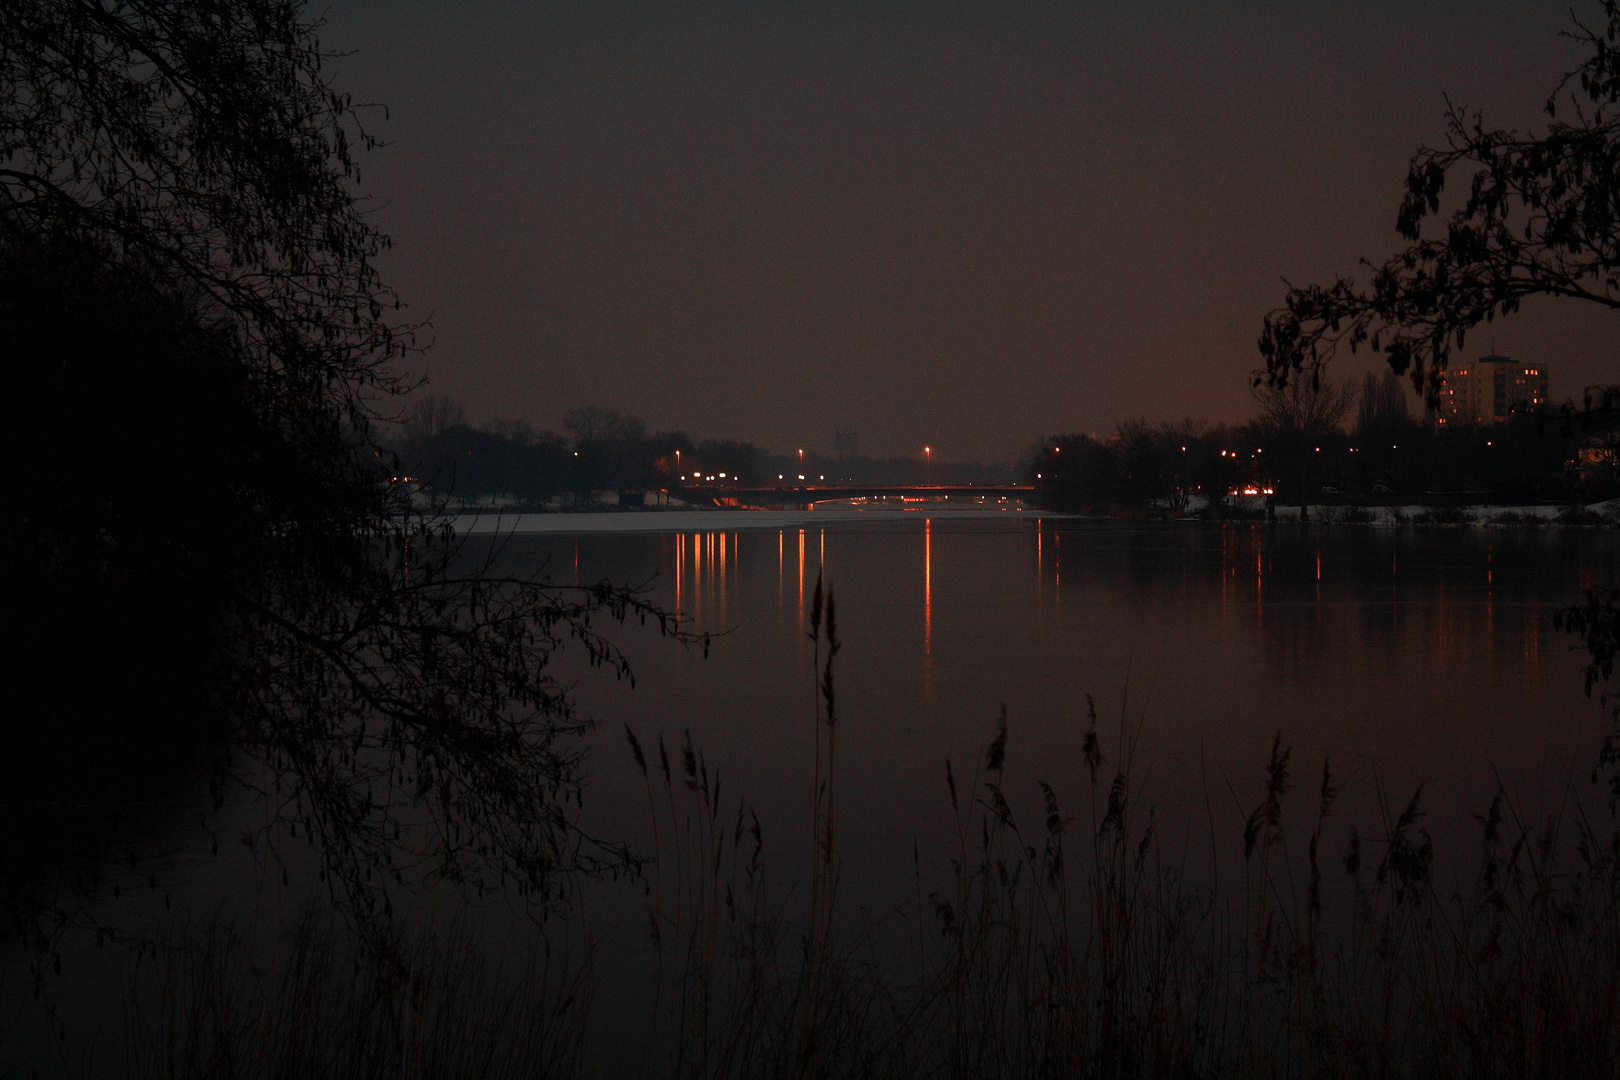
<point>928,607</point>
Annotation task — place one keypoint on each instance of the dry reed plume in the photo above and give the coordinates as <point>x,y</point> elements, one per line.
<point>1075,948</point>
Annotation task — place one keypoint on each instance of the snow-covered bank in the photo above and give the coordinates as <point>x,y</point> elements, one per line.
<point>491,522</point>
<point>1419,514</point>
<point>711,520</point>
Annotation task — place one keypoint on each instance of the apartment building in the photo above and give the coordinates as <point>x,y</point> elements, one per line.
<point>1487,390</point>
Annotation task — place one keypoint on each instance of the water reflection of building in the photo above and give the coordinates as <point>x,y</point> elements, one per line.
<point>1488,390</point>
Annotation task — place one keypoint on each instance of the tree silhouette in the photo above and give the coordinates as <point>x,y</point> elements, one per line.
<point>1539,216</point>
<point>1382,414</point>
<point>431,415</point>
<point>208,529</point>
<point>1296,421</point>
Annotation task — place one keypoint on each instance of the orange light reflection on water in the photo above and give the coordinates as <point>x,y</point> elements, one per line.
<point>928,586</point>
<point>1040,583</point>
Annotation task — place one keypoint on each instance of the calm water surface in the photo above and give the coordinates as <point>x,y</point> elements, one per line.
<point>1406,656</point>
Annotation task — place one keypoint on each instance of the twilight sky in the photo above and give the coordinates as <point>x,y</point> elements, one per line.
<point>962,225</point>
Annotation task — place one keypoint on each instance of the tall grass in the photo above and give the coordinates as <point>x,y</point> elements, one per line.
<point>1070,946</point>
<point>321,1003</point>
<point>1078,948</point>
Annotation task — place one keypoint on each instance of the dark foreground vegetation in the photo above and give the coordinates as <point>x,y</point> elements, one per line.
<point>211,575</point>
<point>1084,957</point>
<point>1077,945</point>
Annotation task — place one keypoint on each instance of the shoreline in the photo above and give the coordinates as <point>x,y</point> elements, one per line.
<point>529,522</point>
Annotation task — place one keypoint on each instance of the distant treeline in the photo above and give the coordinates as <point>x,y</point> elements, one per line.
<point>602,449</point>
<point>1302,449</point>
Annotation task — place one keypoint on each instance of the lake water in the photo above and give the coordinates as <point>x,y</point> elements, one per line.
<point>1404,655</point>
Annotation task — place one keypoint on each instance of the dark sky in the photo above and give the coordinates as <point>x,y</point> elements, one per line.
<point>958,225</point>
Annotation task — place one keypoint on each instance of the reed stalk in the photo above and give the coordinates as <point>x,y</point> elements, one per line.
<point>1074,948</point>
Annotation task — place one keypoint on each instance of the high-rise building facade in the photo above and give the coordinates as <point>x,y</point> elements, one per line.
<point>1489,389</point>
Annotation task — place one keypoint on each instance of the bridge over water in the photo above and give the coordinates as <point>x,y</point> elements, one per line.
<point>807,494</point>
